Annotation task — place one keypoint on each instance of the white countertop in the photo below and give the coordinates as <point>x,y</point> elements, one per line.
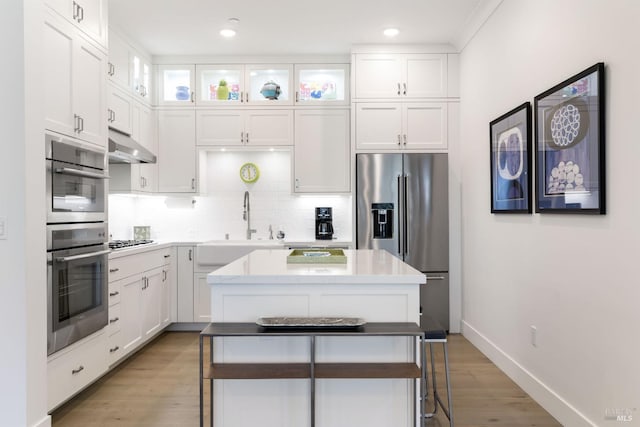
<point>364,266</point>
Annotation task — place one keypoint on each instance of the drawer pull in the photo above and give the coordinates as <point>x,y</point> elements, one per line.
<point>114,270</point>
<point>114,320</point>
<point>114,294</point>
<point>167,256</point>
<point>114,349</point>
<point>76,371</point>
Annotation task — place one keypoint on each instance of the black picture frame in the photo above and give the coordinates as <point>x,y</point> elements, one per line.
<point>570,145</point>
<point>510,153</point>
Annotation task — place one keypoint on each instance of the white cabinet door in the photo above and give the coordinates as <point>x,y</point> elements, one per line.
<point>89,91</point>
<point>201,298</point>
<point>378,126</point>
<point>120,114</point>
<point>220,127</point>
<point>425,126</point>
<point>209,91</point>
<point>119,61</point>
<point>321,159</point>
<point>426,76</point>
<point>165,296</point>
<point>322,84</point>
<point>185,283</point>
<point>176,151</point>
<point>92,18</point>
<point>141,76</point>
<point>378,75</point>
<point>151,302</point>
<point>176,85</point>
<point>130,311</point>
<point>143,132</point>
<point>268,127</point>
<point>259,78</point>
<point>58,80</point>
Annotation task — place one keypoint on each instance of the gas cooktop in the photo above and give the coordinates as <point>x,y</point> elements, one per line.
<point>119,244</point>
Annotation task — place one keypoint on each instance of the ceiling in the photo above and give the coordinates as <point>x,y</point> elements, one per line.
<point>294,27</point>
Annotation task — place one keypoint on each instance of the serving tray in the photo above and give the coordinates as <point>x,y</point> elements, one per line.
<point>310,322</point>
<point>317,256</point>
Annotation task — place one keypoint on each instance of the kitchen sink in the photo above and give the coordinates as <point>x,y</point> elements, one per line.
<point>221,252</point>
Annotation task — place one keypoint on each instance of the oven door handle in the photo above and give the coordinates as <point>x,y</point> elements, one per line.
<point>82,256</point>
<point>84,174</point>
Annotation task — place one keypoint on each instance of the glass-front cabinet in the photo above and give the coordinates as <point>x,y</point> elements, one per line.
<point>322,84</point>
<point>269,84</point>
<point>176,85</point>
<point>141,77</point>
<point>220,84</point>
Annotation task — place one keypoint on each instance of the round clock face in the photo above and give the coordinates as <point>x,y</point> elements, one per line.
<point>249,172</point>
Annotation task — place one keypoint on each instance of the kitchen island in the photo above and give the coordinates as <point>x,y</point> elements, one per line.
<point>372,285</point>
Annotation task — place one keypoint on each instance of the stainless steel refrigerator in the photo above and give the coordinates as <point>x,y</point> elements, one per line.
<point>402,205</point>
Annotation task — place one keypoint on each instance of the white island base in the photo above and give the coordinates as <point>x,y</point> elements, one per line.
<point>373,285</point>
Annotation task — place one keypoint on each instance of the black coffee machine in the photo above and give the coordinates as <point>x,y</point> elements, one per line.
<point>324,224</point>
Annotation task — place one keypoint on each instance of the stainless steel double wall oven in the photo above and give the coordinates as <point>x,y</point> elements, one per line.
<point>77,240</point>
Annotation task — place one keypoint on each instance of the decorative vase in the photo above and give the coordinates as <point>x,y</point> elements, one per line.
<point>222,93</point>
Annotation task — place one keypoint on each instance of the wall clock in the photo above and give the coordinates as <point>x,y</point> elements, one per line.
<point>249,173</point>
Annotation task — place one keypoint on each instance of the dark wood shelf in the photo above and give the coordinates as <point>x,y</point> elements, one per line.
<point>245,371</point>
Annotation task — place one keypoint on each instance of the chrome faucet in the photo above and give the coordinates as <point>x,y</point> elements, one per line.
<point>246,215</point>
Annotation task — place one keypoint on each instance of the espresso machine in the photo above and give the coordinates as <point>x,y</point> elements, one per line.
<point>324,224</point>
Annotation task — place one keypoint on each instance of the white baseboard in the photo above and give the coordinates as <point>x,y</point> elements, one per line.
<point>553,403</point>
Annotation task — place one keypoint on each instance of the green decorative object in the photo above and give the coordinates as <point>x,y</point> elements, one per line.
<point>222,92</point>
<point>317,256</point>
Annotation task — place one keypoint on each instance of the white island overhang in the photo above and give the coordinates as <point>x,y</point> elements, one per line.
<point>373,285</point>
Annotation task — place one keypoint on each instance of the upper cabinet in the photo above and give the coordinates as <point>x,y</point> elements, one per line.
<point>400,76</point>
<point>118,69</point>
<point>176,85</point>
<point>141,76</point>
<point>322,84</point>
<point>90,16</point>
<point>75,83</point>
<point>129,68</point>
<point>254,84</point>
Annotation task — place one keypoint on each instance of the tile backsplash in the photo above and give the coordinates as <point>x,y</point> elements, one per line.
<point>218,209</point>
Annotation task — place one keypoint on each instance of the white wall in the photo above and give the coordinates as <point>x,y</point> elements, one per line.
<point>218,210</point>
<point>22,252</point>
<point>574,277</point>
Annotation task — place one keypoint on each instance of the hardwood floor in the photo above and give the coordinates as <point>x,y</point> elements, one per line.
<point>158,387</point>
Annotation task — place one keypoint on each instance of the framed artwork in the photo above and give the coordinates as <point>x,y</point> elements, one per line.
<point>570,141</point>
<point>511,161</point>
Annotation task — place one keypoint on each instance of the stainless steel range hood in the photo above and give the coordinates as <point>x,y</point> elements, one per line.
<point>124,149</point>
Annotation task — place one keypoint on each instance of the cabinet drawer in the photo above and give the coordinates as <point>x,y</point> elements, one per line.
<point>114,293</point>
<point>115,347</point>
<point>126,266</point>
<point>114,319</point>
<point>74,369</point>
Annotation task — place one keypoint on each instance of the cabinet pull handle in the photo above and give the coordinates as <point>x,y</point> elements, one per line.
<point>78,370</point>
<point>114,320</point>
<point>193,98</point>
<point>193,183</point>
<point>114,270</point>
<point>242,137</point>
<point>190,254</point>
<point>81,17</point>
<point>404,137</point>
<point>247,138</point>
<point>399,140</point>
<point>404,85</point>
<point>114,349</point>
<point>81,120</point>
<point>76,11</point>
<point>435,277</point>
<point>246,97</point>
<point>76,123</point>
<point>114,294</point>
<point>164,275</point>
<point>297,96</point>
<point>241,96</point>
<point>398,88</point>
<point>168,256</point>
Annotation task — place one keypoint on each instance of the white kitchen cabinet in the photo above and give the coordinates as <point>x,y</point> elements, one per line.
<point>141,76</point>
<point>322,84</point>
<point>118,69</point>
<point>401,126</point>
<point>90,16</point>
<point>120,111</point>
<point>176,85</point>
<point>152,291</point>
<point>322,151</point>
<point>75,83</point>
<point>176,151</point>
<point>249,128</point>
<point>201,298</point>
<point>75,367</point>
<point>185,264</point>
<point>130,314</point>
<point>400,76</point>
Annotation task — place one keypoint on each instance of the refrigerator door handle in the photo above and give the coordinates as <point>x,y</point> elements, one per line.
<point>400,236</point>
<point>404,215</point>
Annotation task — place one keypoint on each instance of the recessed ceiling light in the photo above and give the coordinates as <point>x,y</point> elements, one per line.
<point>391,32</point>
<point>227,32</point>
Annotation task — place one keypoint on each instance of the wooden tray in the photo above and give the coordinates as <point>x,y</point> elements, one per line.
<point>317,256</point>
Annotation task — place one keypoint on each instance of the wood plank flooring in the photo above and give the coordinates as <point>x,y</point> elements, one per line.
<point>158,387</point>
